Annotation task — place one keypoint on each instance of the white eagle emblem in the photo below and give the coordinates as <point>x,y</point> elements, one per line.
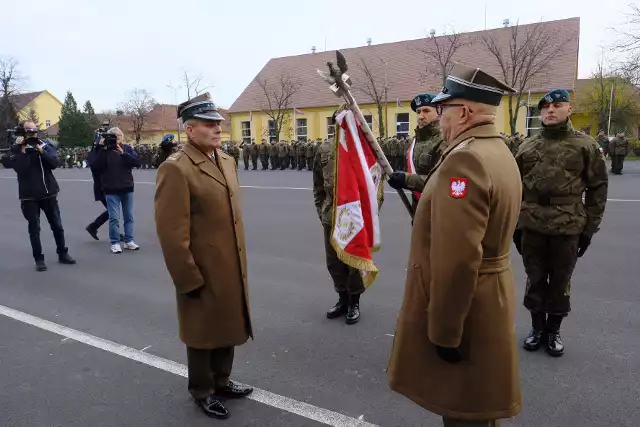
<point>458,187</point>
<point>417,100</point>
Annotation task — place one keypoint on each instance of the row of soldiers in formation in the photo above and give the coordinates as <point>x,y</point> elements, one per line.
<point>76,157</point>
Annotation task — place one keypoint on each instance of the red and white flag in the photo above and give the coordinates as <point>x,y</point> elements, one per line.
<point>411,168</point>
<point>357,192</point>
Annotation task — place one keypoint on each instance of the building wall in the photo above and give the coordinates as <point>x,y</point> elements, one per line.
<point>47,107</point>
<point>317,119</point>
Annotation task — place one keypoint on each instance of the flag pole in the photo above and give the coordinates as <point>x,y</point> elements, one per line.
<point>610,105</point>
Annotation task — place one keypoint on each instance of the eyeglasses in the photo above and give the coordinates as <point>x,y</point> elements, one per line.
<point>440,107</point>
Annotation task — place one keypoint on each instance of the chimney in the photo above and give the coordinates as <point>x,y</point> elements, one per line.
<point>369,41</point>
<point>432,33</point>
<point>313,49</point>
<point>505,22</point>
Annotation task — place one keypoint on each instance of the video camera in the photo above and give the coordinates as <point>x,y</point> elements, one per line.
<point>110,139</point>
<point>29,137</point>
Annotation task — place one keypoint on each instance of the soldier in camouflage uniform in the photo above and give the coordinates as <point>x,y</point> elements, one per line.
<point>557,165</point>
<point>283,155</point>
<point>234,152</point>
<point>301,147</point>
<point>245,154</point>
<point>427,149</point>
<point>273,155</point>
<point>292,154</point>
<point>603,142</point>
<point>347,280</point>
<point>263,154</point>
<point>618,149</point>
<point>310,152</point>
<point>253,151</point>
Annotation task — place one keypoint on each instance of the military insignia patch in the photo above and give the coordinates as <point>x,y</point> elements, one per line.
<point>417,101</point>
<point>460,146</point>
<point>458,187</point>
<point>548,98</point>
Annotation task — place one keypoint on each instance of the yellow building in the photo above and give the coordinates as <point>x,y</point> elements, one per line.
<point>405,71</point>
<point>46,107</point>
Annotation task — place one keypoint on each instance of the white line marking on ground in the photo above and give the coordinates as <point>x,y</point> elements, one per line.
<point>146,348</point>
<point>390,335</point>
<point>302,409</point>
<point>259,187</point>
<point>64,339</point>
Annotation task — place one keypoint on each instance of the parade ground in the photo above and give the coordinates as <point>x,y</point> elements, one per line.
<point>96,344</point>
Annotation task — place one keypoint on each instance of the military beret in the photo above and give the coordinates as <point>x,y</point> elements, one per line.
<point>422,100</point>
<point>472,84</point>
<point>201,108</point>
<point>556,95</point>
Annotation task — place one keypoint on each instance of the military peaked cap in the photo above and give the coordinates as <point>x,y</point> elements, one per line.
<point>472,84</point>
<point>203,109</point>
<point>556,95</point>
<point>422,100</point>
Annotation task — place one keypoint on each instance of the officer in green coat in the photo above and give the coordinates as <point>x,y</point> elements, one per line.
<point>245,154</point>
<point>424,152</point>
<point>618,150</point>
<point>301,148</point>
<point>558,166</point>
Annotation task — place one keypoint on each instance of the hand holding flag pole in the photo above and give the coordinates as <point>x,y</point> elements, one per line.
<point>339,83</point>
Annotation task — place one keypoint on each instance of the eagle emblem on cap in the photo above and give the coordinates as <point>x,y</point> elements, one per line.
<point>548,98</point>
<point>444,90</point>
<point>417,100</point>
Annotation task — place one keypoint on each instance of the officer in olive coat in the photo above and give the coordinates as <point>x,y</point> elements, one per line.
<point>455,351</point>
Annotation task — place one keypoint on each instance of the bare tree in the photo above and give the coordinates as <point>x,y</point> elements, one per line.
<point>32,116</point>
<point>376,87</point>
<point>629,45</point>
<point>529,52</point>
<point>137,109</point>
<point>440,54</point>
<point>10,84</point>
<point>194,85</point>
<point>595,100</point>
<point>276,101</point>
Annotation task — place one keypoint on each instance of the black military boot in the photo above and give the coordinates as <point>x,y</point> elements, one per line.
<point>340,308</point>
<point>353,313</point>
<point>535,337</point>
<point>555,347</point>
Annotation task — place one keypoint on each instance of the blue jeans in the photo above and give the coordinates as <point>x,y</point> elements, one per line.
<point>113,207</point>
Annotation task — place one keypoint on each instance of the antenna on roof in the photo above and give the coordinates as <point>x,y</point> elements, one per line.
<point>505,22</point>
<point>313,49</point>
<point>369,41</point>
<point>432,33</point>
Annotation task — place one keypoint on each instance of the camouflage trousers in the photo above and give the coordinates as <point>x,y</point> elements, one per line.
<point>617,163</point>
<point>264,159</point>
<point>274,163</point>
<point>254,162</point>
<point>549,262</point>
<point>245,160</point>
<point>345,278</point>
<point>448,422</point>
<point>309,163</point>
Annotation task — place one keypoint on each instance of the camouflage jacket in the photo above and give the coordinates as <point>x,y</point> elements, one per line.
<point>323,179</point>
<point>273,150</point>
<point>283,149</point>
<point>619,146</point>
<point>603,141</point>
<point>301,148</point>
<point>292,149</point>
<point>557,166</point>
<point>253,149</point>
<point>310,150</point>
<point>263,148</point>
<point>426,153</point>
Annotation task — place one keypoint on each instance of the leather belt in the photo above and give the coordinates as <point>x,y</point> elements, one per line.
<point>553,200</point>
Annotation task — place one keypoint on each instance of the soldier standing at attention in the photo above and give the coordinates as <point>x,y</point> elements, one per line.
<point>283,155</point>
<point>309,154</point>
<point>557,165</point>
<point>263,152</point>
<point>245,154</point>
<point>618,149</point>
<point>253,150</point>
<point>300,157</point>
<point>347,281</point>
<point>273,155</point>
<point>455,351</point>
<point>234,151</point>
<point>603,142</point>
<point>425,152</point>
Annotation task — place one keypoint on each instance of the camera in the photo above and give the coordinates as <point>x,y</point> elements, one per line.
<point>110,140</point>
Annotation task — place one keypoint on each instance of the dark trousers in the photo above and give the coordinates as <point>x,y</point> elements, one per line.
<point>345,278</point>
<point>284,162</point>
<point>254,162</point>
<point>245,160</point>
<point>549,262</point>
<point>102,218</point>
<point>31,211</point>
<point>208,370</point>
<point>448,422</point>
<point>617,163</point>
<point>265,162</point>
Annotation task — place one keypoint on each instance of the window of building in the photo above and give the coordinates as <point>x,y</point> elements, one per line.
<point>246,132</point>
<point>534,121</point>
<point>402,124</point>
<point>331,128</point>
<point>48,123</point>
<point>272,131</point>
<point>369,119</point>
<point>301,129</point>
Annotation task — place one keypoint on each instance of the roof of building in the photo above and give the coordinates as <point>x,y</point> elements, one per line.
<point>52,130</point>
<point>406,65</point>
<point>23,99</point>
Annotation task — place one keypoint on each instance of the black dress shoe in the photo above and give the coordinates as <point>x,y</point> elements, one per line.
<point>40,265</point>
<point>93,232</point>
<point>341,308</point>
<point>533,340</point>
<point>353,314</point>
<point>555,347</point>
<point>66,259</point>
<point>234,390</point>
<point>212,407</point>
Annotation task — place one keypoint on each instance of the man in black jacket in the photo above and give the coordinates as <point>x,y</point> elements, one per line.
<point>114,161</point>
<point>33,160</point>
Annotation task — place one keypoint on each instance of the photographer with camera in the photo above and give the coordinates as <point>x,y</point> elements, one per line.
<point>33,160</point>
<point>113,161</point>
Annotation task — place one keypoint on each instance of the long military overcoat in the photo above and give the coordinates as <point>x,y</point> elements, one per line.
<point>460,287</point>
<point>199,225</point>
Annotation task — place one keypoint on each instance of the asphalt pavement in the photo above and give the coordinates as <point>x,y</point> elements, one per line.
<point>52,380</point>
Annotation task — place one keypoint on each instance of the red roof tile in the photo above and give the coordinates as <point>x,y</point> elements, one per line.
<point>406,66</point>
<point>22,100</point>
